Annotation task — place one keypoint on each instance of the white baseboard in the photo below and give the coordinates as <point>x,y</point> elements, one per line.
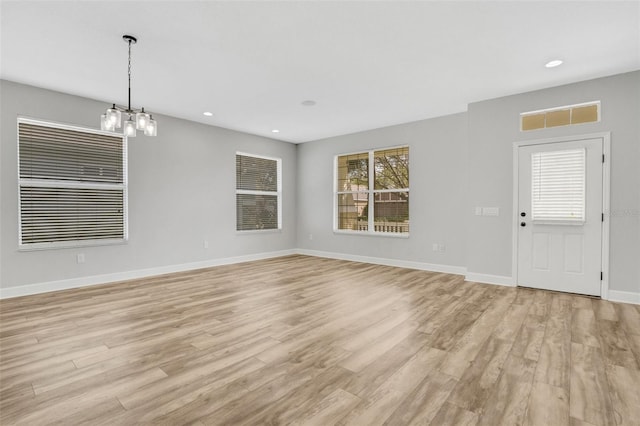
<point>448,269</point>
<point>624,297</point>
<point>25,290</point>
<point>490,279</point>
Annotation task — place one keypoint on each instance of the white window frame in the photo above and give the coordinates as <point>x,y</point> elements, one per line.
<point>560,108</point>
<point>370,193</point>
<point>278,193</point>
<point>73,185</point>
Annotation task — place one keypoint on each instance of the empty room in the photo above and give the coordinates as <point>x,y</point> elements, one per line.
<point>205,213</point>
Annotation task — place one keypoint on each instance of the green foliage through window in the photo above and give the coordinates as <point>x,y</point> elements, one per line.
<point>389,196</point>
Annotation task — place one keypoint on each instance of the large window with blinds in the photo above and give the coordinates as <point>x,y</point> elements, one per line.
<point>372,192</point>
<point>72,186</point>
<point>258,193</point>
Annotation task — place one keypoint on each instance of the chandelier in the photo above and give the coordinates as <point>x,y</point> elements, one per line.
<point>136,119</point>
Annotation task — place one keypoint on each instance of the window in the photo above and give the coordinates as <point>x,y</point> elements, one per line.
<point>558,185</point>
<point>72,186</point>
<point>560,116</point>
<point>258,193</point>
<point>372,191</point>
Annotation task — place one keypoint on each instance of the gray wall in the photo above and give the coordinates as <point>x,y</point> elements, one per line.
<point>181,192</point>
<point>494,126</point>
<point>181,187</point>
<point>438,179</point>
<point>462,161</point>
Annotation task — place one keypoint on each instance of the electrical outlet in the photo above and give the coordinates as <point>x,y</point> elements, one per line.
<point>80,258</point>
<point>206,244</point>
<point>434,247</point>
<point>478,211</point>
<point>311,236</point>
<point>442,247</point>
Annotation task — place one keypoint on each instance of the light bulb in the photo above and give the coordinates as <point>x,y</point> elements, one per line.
<point>152,127</point>
<point>114,117</point>
<point>142,119</point>
<point>130,128</point>
<point>103,122</point>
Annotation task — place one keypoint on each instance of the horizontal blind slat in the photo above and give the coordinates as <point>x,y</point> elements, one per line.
<point>558,185</point>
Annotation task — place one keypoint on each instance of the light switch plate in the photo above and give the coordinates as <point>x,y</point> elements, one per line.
<point>491,211</point>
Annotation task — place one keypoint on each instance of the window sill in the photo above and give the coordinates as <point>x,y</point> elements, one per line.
<point>259,231</point>
<point>372,234</point>
<point>70,245</point>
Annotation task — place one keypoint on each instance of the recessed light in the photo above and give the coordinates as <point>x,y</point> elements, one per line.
<point>208,114</point>
<point>308,102</point>
<point>553,64</point>
<point>275,131</point>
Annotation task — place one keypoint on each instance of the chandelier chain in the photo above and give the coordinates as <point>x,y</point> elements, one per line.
<point>129,73</point>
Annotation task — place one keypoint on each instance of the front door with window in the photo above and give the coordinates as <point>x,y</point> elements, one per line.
<point>560,216</point>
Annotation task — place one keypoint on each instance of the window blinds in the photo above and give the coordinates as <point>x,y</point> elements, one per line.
<point>72,186</point>
<point>558,185</point>
<point>257,193</point>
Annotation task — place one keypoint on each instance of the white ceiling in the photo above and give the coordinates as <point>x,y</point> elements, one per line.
<point>366,64</point>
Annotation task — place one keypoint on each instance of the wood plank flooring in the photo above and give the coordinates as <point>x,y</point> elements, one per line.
<point>311,341</point>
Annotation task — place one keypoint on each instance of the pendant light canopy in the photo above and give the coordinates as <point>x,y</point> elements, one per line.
<point>135,119</point>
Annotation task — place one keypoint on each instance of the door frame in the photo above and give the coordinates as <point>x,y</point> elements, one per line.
<point>606,179</point>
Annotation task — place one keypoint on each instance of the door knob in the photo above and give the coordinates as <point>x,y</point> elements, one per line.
<point>523,224</point>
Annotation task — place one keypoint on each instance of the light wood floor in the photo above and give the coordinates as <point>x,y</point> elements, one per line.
<point>303,340</point>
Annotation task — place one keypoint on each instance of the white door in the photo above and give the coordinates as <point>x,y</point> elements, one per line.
<point>560,216</point>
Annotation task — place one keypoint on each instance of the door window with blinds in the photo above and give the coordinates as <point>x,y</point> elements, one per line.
<point>558,186</point>
<point>72,186</point>
<point>258,193</point>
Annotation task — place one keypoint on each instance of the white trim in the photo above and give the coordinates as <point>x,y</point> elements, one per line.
<point>624,297</point>
<point>51,183</point>
<point>606,207</point>
<point>490,279</point>
<point>67,126</point>
<point>370,191</point>
<point>606,200</point>
<point>264,157</point>
<point>582,104</point>
<point>277,193</point>
<point>372,234</point>
<point>25,290</point>
<point>448,269</point>
<point>124,186</point>
<point>46,287</point>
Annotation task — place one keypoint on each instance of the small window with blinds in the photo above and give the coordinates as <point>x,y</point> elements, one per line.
<point>558,186</point>
<point>72,186</point>
<point>258,193</point>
